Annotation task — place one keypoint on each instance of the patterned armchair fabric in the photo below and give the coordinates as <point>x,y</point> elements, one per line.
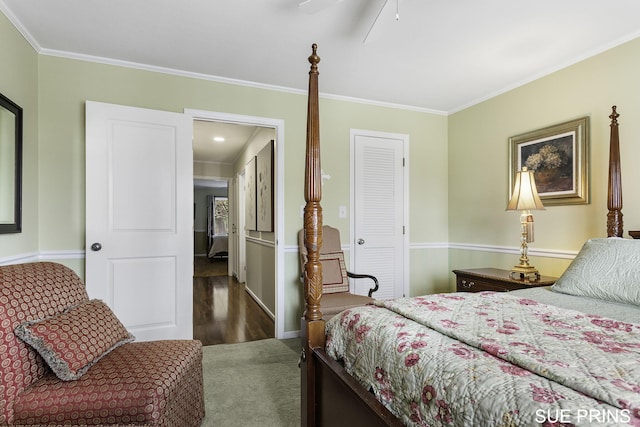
<point>155,383</point>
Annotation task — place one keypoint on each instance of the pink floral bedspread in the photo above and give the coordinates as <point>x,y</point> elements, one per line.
<point>491,359</point>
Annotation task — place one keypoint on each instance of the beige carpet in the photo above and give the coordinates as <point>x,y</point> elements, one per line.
<point>252,384</point>
<point>202,267</point>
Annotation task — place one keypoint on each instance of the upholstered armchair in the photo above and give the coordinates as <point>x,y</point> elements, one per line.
<point>335,277</point>
<point>67,360</point>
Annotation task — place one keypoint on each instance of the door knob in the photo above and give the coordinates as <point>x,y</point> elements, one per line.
<point>96,247</point>
<point>361,241</point>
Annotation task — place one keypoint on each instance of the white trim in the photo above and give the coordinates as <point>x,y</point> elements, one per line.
<point>70,254</point>
<point>405,197</point>
<point>20,27</point>
<point>430,245</point>
<point>261,242</point>
<point>512,250</point>
<point>295,249</point>
<point>209,162</point>
<point>546,253</point>
<point>291,249</point>
<point>42,256</point>
<point>278,125</point>
<point>259,302</point>
<point>20,259</point>
<point>549,253</point>
<point>383,104</point>
<point>240,263</point>
<point>291,334</point>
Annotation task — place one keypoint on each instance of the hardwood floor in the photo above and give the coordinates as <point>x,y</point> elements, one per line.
<point>225,313</point>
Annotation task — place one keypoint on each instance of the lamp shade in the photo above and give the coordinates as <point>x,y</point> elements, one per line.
<point>525,195</point>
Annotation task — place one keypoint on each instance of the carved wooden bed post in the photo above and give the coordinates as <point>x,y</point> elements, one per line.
<point>614,200</point>
<point>313,334</point>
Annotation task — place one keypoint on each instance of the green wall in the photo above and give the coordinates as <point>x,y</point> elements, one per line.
<point>65,84</point>
<point>479,162</point>
<point>19,83</point>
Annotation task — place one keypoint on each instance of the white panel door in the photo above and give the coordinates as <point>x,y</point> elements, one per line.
<point>139,217</point>
<point>378,213</point>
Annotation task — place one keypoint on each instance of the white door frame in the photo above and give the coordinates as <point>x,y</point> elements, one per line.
<point>231,250</point>
<point>405,197</point>
<point>241,261</point>
<point>278,167</point>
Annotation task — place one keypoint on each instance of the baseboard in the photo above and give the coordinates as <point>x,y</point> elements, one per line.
<point>259,302</point>
<point>291,334</point>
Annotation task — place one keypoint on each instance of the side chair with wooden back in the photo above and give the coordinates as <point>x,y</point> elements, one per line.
<point>335,277</point>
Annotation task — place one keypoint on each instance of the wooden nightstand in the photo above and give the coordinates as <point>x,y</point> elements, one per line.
<point>493,279</point>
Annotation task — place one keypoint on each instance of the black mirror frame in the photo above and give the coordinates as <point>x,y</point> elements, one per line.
<point>16,226</point>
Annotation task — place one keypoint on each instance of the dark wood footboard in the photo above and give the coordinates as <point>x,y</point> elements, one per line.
<point>342,401</point>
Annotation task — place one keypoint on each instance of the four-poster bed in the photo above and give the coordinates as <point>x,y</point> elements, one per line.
<point>331,396</point>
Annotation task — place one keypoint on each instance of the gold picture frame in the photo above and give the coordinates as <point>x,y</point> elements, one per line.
<point>559,157</point>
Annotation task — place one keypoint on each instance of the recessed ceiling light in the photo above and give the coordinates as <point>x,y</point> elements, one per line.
<point>218,139</point>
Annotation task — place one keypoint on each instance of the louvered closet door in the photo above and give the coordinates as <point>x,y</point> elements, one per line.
<point>378,214</point>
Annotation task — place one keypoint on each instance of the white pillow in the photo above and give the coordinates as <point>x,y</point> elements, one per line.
<point>607,269</point>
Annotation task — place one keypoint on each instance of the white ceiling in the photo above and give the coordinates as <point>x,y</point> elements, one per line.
<point>441,55</point>
<point>206,149</point>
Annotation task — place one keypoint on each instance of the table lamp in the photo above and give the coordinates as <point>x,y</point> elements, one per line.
<point>525,199</point>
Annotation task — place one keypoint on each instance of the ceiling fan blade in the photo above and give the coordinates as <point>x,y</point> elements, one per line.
<point>315,6</point>
<point>373,24</point>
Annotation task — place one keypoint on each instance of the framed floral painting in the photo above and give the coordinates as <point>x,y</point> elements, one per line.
<point>558,156</point>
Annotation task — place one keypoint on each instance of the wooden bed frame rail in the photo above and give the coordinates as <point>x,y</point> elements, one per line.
<point>342,401</point>
<point>329,395</point>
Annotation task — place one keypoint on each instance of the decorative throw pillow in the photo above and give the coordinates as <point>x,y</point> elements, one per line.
<point>74,340</point>
<point>607,269</point>
<point>334,273</point>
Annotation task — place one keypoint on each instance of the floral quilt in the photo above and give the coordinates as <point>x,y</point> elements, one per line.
<point>491,359</point>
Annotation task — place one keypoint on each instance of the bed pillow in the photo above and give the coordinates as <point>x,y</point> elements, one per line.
<point>607,269</point>
<point>334,273</point>
<point>74,340</point>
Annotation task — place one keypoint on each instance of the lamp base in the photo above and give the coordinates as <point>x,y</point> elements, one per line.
<point>527,273</point>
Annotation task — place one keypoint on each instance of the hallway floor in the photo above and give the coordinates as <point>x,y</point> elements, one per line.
<point>224,312</point>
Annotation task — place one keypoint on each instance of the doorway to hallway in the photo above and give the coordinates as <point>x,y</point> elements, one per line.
<point>264,275</point>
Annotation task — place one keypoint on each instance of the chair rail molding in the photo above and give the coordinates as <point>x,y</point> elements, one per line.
<point>42,256</point>
<point>548,253</point>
